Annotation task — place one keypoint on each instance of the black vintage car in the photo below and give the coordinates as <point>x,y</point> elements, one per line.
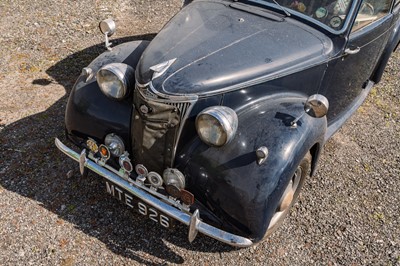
<point>217,122</point>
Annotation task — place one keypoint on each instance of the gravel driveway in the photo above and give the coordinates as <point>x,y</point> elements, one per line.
<point>348,214</point>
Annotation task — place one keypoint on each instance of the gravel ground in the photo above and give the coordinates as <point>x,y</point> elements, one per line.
<point>348,213</point>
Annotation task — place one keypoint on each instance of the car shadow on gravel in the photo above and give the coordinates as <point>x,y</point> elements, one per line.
<point>32,167</point>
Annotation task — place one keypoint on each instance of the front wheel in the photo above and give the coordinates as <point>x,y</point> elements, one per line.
<point>290,194</point>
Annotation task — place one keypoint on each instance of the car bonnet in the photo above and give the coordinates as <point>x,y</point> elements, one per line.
<point>214,47</point>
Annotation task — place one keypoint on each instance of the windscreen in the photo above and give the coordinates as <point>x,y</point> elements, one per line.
<point>332,13</point>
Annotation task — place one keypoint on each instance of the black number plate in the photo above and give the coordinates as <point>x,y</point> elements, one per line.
<point>135,203</point>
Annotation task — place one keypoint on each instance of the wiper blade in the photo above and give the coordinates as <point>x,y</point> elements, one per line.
<point>261,3</point>
<point>282,8</point>
<point>257,11</point>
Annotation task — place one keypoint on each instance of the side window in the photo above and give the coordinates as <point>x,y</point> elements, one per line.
<point>370,11</point>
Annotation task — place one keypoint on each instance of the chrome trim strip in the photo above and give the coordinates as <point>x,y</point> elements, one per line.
<point>171,97</point>
<point>244,84</point>
<point>184,218</point>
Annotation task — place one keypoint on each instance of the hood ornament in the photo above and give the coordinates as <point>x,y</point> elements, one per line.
<point>160,69</point>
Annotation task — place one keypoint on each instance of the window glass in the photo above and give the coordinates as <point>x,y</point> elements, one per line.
<point>370,11</point>
<point>332,13</point>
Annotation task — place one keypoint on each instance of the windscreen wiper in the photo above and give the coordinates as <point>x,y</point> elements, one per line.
<point>257,11</point>
<point>282,8</point>
<point>275,2</point>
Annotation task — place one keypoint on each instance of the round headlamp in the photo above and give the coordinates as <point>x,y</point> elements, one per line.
<point>114,80</point>
<point>217,125</point>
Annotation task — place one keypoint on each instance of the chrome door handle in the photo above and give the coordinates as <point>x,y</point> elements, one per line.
<point>352,51</point>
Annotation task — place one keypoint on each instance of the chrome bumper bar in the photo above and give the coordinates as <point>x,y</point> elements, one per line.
<point>193,221</point>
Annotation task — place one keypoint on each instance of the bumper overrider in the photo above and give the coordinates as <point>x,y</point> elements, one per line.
<point>136,189</point>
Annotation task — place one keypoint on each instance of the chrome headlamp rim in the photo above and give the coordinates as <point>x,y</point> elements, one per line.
<point>123,73</point>
<point>226,118</point>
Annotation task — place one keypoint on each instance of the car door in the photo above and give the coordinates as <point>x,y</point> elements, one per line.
<point>347,74</point>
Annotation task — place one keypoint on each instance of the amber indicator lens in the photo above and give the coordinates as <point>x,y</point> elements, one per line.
<point>187,197</point>
<point>104,152</point>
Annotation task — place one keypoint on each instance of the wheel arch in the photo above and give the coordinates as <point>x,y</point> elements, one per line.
<point>315,153</point>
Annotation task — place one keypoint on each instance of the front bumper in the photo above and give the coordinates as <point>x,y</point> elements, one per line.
<point>193,221</point>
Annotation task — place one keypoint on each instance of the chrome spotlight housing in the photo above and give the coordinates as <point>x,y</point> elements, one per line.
<point>174,182</point>
<point>115,144</point>
<point>174,177</point>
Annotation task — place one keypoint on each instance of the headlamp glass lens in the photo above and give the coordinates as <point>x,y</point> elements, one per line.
<point>114,80</point>
<point>110,84</point>
<point>217,125</point>
<point>210,130</point>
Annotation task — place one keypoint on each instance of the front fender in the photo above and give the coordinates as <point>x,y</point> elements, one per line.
<point>228,179</point>
<point>89,112</point>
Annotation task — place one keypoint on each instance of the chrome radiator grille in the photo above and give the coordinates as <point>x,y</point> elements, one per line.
<point>157,129</point>
<point>183,103</point>
<point>183,108</point>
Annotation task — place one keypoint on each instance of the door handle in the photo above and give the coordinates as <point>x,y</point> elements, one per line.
<point>352,51</point>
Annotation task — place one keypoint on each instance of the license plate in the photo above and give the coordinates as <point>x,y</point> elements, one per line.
<point>141,207</point>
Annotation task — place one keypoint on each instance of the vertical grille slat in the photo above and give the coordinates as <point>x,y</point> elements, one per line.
<point>183,108</point>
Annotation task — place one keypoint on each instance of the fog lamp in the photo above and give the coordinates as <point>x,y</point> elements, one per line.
<point>173,176</point>
<point>115,143</point>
